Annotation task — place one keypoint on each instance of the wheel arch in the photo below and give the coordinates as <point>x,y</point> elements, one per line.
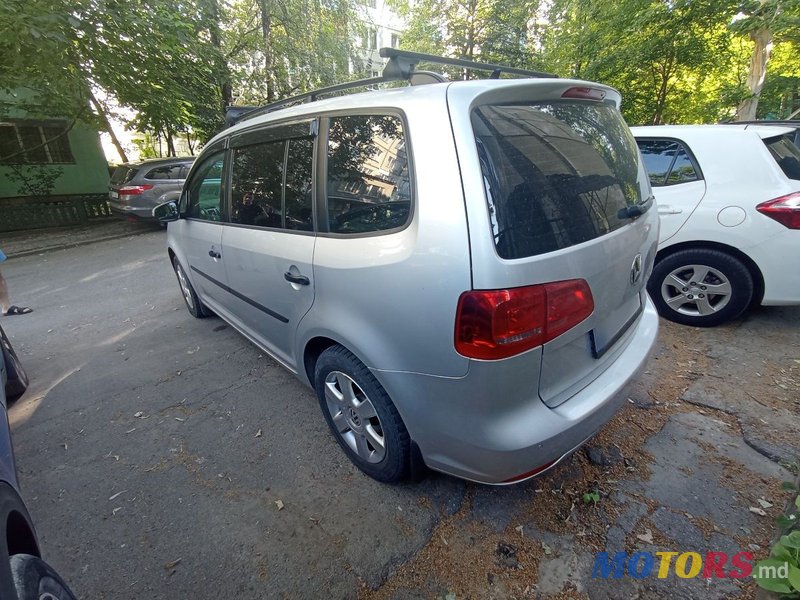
<point>752,267</point>
<point>311,352</point>
<point>19,536</point>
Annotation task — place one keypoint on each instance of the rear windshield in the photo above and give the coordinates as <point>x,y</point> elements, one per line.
<point>786,154</point>
<point>123,174</point>
<point>556,174</point>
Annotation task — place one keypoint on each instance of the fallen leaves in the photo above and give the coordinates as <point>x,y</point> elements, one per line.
<point>279,504</point>
<point>117,495</point>
<point>172,564</point>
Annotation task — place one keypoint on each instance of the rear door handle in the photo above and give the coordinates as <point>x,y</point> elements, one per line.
<point>665,209</point>
<point>298,279</point>
<point>214,254</point>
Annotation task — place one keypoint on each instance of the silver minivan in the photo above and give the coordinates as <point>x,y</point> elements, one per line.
<point>457,269</point>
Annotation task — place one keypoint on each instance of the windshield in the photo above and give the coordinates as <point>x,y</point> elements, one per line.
<point>556,174</point>
<point>123,174</point>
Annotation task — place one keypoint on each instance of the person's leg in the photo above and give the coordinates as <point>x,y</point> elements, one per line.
<point>5,303</point>
<point>6,308</point>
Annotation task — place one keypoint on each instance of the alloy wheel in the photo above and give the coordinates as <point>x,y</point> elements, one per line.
<point>354,417</point>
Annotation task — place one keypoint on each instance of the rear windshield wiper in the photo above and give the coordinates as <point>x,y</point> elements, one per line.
<point>636,210</point>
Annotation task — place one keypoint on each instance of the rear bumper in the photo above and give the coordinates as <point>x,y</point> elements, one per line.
<point>491,426</point>
<point>126,210</point>
<point>781,281</point>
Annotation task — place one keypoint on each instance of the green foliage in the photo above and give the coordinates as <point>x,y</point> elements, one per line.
<point>592,497</point>
<point>780,572</point>
<point>35,181</point>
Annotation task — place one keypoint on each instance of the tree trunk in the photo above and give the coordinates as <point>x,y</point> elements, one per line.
<point>101,112</point>
<point>266,26</point>
<point>762,38</point>
<point>226,90</point>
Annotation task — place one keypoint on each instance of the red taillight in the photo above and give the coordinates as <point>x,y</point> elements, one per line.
<point>785,210</point>
<point>134,190</point>
<point>535,471</point>
<point>584,93</point>
<point>494,324</point>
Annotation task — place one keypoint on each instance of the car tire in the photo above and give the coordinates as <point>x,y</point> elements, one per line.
<point>682,287</point>
<point>193,304</point>
<point>361,416</point>
<point>17,378</point>
<point>35,579</point>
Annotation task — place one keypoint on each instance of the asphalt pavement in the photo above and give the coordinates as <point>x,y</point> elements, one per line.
<point>163,456</point>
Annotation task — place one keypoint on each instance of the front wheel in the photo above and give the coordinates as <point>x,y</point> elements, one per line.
<point>361,416</point>
<point>700,287</point>
<point>196,308</point>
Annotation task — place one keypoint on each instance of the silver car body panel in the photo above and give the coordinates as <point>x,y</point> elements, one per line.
<point>391,298</point>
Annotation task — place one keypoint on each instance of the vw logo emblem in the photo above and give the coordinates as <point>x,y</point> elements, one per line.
<point>636,269</point>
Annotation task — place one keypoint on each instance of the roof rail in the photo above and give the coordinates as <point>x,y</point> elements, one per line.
<point>401,66</point>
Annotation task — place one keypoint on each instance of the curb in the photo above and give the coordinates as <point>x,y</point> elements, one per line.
<point>66,245</point>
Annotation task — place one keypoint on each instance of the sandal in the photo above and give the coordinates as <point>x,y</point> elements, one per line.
<point>18,310</point>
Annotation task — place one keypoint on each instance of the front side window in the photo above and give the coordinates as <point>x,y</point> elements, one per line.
<point>667,162</point>
<point>257,184</point>
<point>205,190</point>
<point>368,184</point>
<point>555,174</point>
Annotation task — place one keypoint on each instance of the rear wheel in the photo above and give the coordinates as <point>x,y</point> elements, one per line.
<point>196,308</point>
<point>700,287</point>
<point>361,416</point>
<point>17,379</point>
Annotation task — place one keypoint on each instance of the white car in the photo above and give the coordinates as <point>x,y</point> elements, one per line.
<point>729,204</point>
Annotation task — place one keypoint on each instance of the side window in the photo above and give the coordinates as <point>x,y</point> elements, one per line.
<point>165,172</point>
<point>658,156</point>
<point>368,186</point>
<point>257,182</point>
<point>667,162</point>
<point>205,190</point>
<point>683,170</point>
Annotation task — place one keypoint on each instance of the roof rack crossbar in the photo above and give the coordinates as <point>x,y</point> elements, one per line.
<point>411,59</point>
<point>401,66</point>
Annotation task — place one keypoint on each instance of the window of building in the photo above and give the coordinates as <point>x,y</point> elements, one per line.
<point>367,192</point>
<point>371,40</point>
<point>35,142</point>
<point>395,40</point>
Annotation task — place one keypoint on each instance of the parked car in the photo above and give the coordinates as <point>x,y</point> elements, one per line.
<point>457,269</point>
<point>135,188</point>
<point>23,573</point>
<point>729,201</point>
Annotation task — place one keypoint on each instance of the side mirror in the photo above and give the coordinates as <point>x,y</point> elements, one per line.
<point>167,211</point>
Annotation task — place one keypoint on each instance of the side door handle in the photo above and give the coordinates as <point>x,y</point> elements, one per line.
<point>665,209</point>
<point>298,279</point>
<point>214,254</point>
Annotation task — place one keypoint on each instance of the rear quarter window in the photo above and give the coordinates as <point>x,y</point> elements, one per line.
<point>786,154</point>
<point>555,174</point>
